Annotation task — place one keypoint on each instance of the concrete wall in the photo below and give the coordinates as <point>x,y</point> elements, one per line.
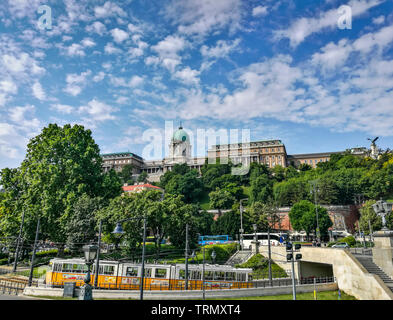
<point>383,251</point>
<point>351,276</point>
<point>182,295</point>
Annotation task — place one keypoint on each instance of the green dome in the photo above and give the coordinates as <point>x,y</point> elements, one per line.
<point>180,135</point>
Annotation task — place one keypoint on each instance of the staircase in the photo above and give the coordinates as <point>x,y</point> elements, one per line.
<point>371,267</point>
<point>239,257</point>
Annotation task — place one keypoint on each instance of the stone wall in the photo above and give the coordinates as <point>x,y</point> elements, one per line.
<point>351,276</point>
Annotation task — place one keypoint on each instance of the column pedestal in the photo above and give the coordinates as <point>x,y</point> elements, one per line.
<point>383,251</point>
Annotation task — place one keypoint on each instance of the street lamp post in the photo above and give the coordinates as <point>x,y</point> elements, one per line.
<point>315,190</point>
<point>359,200</point>
<point>98,256</point>
<point>203,276</point>
<point>186,258</point>
<point>382,209</point>
<point>269,256</point>
<point>86,292</point>
<point>214,255</point>
<point>33,255</point>
<point>241,222</point>
<point>18,240</point>
<point>119,230</point>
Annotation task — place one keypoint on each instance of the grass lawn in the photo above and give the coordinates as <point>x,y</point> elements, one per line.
<point>326,295</point>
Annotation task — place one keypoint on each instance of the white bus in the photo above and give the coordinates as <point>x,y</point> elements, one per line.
<point>262,239</point>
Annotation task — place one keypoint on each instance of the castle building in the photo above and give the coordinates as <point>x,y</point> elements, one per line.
<point>268,152</point>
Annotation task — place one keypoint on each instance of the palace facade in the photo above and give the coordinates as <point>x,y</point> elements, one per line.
<point>268,152</point>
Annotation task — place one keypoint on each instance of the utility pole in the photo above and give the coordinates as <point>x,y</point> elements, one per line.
<point>33,255</point>
<point>186,256</point>
<point>293,275</point>
<point>241,222</point>
<point>315,190</point>
<point>98,256</point>
<point>17,241</point>
<point>203,275</point>
<point>270,257</point>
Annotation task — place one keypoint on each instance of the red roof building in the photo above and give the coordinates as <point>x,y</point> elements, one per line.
<point>140,187</point>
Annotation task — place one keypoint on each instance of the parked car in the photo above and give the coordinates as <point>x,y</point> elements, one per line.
<point>340,245</point>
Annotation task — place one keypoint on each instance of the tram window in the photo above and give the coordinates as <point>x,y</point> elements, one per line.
<point>230,276</point>
<point>182,274</point>
<point>241,277</point>
<point>196,275</point>
<point>57,267</point>
<point>109,270</point>
<point>219,275</point>
<point>132,272</point>
<point>148,272</point>
<point>160,273</point>
<point>250,277</point>
<point>67,267</point>
<point>77,268</point>
<point>209,275</point>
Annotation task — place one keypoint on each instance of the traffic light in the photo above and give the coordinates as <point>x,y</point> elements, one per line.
<point>289,246</point>
<point>298,246</point>
<point>298,256</point>
<point>289,257</point>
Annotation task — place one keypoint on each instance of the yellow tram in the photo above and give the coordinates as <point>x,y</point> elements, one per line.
<point>127,275</point>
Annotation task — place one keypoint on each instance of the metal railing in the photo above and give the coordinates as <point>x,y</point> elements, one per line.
<point>362,251</point>
<point>14,286</point>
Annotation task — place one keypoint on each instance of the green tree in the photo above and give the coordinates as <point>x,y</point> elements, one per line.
<point>303,217</point>
<point>228,224</point>
<point>221,199</point>
<point>261,188</point>
<point>61,164</point>
<point>189,185</point>
<point>126,174</point>
<point>367,214</point>
<point>81,227</point>
<point>264,215</point>
<point>142,177</point>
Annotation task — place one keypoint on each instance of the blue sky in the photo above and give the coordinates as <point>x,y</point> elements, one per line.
<point>281,68</point>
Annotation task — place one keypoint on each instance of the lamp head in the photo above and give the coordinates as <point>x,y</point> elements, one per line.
<point>118,229</point>
<point>90,252</point>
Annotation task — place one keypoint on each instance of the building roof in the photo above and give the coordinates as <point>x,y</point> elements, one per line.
<point>139,186</point>
<point>116,154</point>
<point>312,155</point>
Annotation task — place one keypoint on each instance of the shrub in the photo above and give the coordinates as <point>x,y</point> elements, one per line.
<point>350,240</point>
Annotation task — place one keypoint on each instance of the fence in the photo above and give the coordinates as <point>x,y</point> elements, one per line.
<point>362,251</point>
<point>209,285</point>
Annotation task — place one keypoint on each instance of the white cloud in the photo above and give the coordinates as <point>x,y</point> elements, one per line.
<point>111,49</point>
<point>96,27</point>
<point>38,91</point>
<point>75,82</point>
<point>88,42</point>
<point>303,27</point>
<point>379,20</point>
<point>168,51</point>
<point>119,35</point>
<point>62,108</point>
<point>201,17</point>
<point>75,50</point>
<point>188,76</point>
<point>97,111</point>
<point>99,77</point>
<point>109,9</point>
<point>220,50</point>
<point>259,11</point>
